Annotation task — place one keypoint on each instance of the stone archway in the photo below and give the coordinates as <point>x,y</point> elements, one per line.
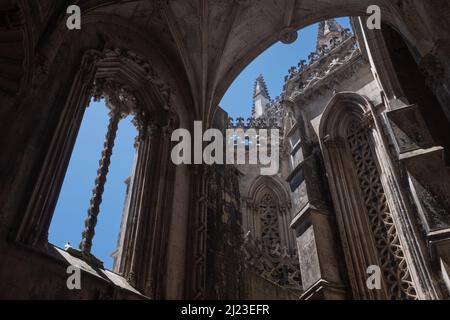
<point>198,48</point>
<point>361,186</point>
<point>268,216</point>
<point>212,42</point>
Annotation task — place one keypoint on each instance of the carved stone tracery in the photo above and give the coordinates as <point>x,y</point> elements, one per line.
<point>276,265</point>
<point>391,255</point>
<point>269,249</point>
<point>268,213</point>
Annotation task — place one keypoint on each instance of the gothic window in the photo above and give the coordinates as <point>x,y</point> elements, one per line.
<point>67,222</point>
<point>391,255</point>
<point>269,245</point>
<point>267,218</point>
<point>104,75</point>
<point>268,213</point>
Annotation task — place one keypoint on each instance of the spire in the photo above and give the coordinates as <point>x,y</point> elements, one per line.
<point>261,97</point>
<point>261,88</point>
<point>328,30</point>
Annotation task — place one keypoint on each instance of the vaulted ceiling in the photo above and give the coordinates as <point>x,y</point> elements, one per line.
<point>210,41</point>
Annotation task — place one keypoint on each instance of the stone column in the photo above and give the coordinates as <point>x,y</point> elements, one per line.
<point>161,215</point>
<point>315,228</point>
<point>317,241</point>
<point>144,259</point>
<point>197,246</point>
<point>102,173</point>
<point>145,142</point>
<point>33,228</point>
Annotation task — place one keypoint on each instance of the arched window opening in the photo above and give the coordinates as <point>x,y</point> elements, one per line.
<point>94,183</point>
<point>269,244</point>
<point>391,255</point>
<point>366,218</point>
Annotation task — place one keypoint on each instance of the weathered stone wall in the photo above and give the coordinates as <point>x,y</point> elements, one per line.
<point>224,236</point>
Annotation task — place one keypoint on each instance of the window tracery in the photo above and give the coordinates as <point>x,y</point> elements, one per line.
<point>391,255</point>
<point>268,213</point>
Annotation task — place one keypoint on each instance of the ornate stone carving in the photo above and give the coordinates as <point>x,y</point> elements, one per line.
<point>277,264</point>
<point>268,213</point>
<point>390,251</point>
<point>151,76</point>
<point>322,63</point>
<point>117,96</point>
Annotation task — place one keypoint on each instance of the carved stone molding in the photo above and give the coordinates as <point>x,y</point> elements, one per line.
<point>391,254</point>
<point>288,35</point>
<point>276,265</point>
<point>151,75</point>
<point>325,71</point>
<point>117,96</point>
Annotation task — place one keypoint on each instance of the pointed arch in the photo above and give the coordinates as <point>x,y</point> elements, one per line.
<point>272,183</point>
<point>368,229</point>
<point>268,215</point>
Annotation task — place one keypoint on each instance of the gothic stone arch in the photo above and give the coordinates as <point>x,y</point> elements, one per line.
<point>269,247</point>
<point>130,83</point>
<point>268,214</point>
<point>368,223</point>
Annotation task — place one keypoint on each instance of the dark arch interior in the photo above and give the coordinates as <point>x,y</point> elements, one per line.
<point>415,88</point>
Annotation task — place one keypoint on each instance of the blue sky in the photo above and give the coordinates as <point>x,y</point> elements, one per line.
<point>273,64</point>
<point>71,211</point>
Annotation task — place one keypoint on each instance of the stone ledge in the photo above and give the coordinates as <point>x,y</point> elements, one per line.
<point>325,290</point>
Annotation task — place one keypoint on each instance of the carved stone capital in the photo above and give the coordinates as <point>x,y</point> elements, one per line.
<point>118,97</point>
<point>146,126</point>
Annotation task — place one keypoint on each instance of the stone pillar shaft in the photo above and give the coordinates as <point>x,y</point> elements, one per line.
<point>100,181</point>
